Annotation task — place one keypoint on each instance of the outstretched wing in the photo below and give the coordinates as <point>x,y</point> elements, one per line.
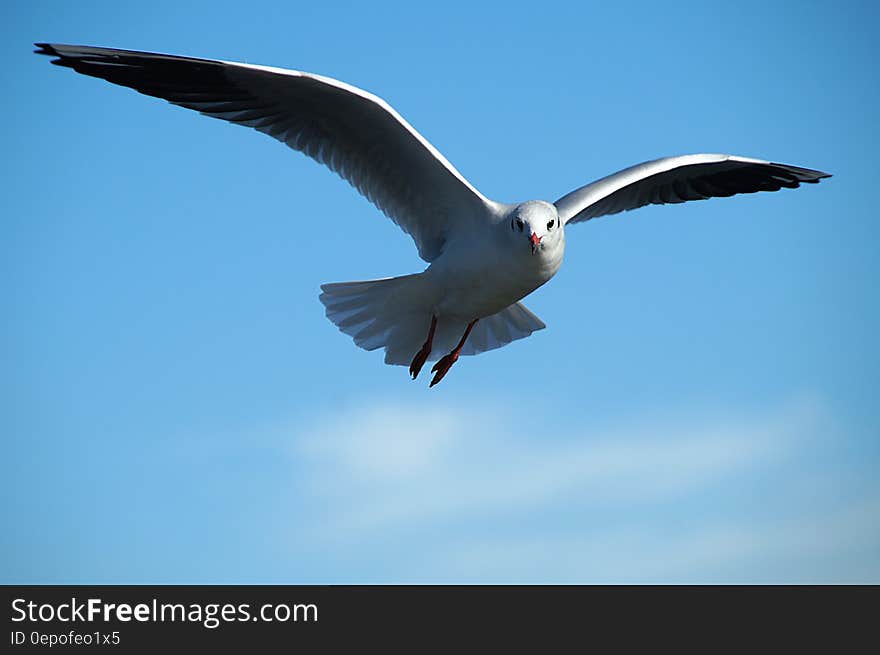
<point>354,133</point>
<point>679,179</point>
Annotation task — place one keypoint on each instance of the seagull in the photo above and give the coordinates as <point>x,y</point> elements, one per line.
<point>483,256</point>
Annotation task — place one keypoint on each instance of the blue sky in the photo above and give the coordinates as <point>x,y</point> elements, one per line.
<point>702,407</point>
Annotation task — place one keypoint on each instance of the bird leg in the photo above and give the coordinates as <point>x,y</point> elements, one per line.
<point>445,363</point>
<point>422,356</point>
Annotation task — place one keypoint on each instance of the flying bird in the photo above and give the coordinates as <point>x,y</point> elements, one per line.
<point>483,256</point>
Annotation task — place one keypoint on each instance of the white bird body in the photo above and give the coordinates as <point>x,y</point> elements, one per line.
<point>484,256</point>
<point>480,274</point>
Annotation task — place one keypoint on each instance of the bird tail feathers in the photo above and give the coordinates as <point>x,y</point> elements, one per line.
<point>512,323</point>
<point>395,314</point>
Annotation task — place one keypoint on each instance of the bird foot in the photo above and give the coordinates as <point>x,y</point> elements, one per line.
<point>419,361</point>
<point>422,356</point>
<point>441,368</point>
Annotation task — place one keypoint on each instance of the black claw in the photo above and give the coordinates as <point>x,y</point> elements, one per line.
<point>417,363</point>
<point>441,368</point>
<point>437,378</point>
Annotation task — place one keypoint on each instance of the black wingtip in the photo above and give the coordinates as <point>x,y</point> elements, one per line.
<point>802,175</point>
<point>820,175</point>
<point>51,51</point>
<point>45,49</point>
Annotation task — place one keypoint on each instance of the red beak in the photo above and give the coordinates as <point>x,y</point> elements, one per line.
<point>535,240</point>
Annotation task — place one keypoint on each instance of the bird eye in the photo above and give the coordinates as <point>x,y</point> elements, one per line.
<point>550,224</point>
<point>520,225</point>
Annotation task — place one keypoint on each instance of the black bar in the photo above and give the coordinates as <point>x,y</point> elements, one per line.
<point>418,618</point>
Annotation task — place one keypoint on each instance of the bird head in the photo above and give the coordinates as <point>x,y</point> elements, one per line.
<point>536,225</point>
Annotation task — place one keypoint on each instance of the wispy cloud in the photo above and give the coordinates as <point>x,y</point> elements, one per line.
<point>445,494</point>
<point>381,467</point>
<point>820,547</point>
